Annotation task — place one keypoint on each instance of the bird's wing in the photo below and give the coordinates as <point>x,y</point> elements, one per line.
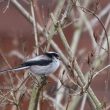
<point>41,62</point>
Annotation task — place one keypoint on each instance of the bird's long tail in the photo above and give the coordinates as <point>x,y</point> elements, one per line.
<point>13,69</point>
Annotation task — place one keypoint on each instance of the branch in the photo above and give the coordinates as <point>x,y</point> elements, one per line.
<point>35,95</point>
<point>34,27</point>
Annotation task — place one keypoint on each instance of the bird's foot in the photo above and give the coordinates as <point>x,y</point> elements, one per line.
<point>43,79</point>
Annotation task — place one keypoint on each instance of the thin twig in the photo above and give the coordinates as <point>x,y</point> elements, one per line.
<point>34,27</point>
<point>51,31</point>
<point>62,36</point>
<point>98,72</point>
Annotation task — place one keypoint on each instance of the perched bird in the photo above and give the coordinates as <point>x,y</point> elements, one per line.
<point>41,65</point>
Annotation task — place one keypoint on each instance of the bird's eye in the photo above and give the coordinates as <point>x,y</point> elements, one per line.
<point>56,55</point>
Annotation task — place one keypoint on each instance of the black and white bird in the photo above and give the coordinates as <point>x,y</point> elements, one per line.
<point>41,65</point>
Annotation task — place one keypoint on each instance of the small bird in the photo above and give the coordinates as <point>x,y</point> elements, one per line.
<point>43,64</point>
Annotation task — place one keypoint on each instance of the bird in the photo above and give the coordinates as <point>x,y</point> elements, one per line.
<point>43,64</point>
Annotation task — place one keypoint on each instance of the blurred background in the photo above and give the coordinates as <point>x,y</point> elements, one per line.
<point>17,42</point>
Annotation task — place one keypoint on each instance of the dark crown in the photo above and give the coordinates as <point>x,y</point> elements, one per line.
<point>52,54</point>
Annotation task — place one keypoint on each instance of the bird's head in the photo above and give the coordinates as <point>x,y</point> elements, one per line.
<point>52,55</point>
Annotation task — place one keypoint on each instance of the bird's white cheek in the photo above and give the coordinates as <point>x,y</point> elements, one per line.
<point>57,64</point>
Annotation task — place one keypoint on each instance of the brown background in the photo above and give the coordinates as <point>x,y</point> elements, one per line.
<point>16,32</point>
